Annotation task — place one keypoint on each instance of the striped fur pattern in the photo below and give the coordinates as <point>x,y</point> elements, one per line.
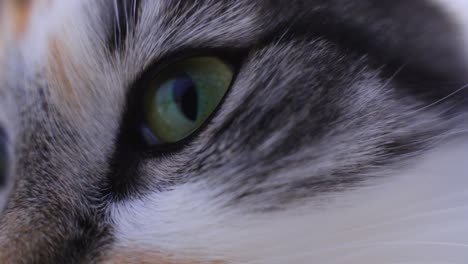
<point>343,138</point>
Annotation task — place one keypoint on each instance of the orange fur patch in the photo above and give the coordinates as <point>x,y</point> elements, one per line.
<point>18,14</point>
<point>62,73</point>
<point>58,72</point>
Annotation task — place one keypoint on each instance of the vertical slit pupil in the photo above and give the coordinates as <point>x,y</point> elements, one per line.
<point>185,95</point>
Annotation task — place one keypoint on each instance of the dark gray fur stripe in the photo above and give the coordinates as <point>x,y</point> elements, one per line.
<point>124,20</point>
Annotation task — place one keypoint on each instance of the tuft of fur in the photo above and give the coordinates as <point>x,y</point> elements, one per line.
<point>343,138</point>
<point>416,216</point>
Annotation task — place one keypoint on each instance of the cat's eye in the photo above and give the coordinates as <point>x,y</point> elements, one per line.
<point>182,97</point>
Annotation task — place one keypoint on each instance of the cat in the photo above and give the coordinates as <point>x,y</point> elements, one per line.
<point>234,131</point>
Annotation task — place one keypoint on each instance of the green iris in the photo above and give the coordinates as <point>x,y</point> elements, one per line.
<point>184,95</point>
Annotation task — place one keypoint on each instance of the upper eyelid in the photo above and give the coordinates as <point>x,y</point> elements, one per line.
<point>136,89</point>
<point>235,58</point>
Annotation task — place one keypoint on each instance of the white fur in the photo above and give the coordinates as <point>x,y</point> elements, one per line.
<point>419,216</point>
<point>457,10</point>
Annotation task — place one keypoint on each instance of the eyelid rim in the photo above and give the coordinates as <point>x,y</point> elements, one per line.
<point>136,91</point>
<point>130,150</point>
<point>150,137</point>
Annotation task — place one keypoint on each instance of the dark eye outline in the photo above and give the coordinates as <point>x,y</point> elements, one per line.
<point>133,118</point>
<point>130,148</point>
<point>151,89</point>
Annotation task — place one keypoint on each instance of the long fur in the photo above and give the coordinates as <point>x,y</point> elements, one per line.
<point>343,138</point>
<point>415,217</point>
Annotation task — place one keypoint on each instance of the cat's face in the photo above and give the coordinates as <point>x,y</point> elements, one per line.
<point>341,137</point>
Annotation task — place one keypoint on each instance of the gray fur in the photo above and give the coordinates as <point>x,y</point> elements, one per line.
<point>311,111</point>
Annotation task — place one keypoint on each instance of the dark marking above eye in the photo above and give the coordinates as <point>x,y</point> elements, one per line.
<point>185,95</point>
<point>125,17</point>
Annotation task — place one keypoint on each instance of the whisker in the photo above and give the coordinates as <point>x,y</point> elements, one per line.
<point>453,133</point>
<point>442,99</point>
<point>394,75</point>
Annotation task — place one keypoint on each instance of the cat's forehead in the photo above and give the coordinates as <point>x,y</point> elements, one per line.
<point>80,45</point>
<point>126,37</point>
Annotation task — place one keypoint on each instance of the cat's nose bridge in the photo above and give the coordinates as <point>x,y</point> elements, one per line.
<point>49,227</point>
<point>52,214</point>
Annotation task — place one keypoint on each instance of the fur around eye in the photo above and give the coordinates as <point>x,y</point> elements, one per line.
<point>179,100</point>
